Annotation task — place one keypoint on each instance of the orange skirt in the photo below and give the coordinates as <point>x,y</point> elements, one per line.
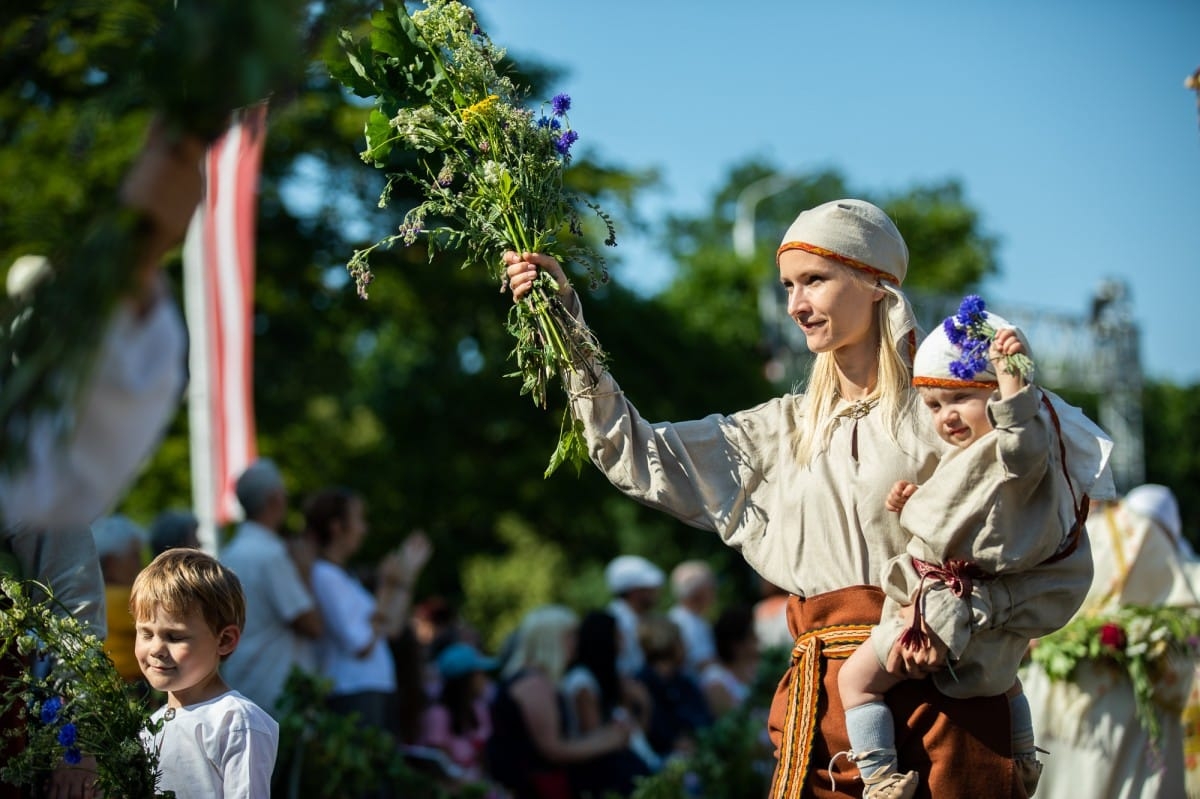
<point>961,748</point>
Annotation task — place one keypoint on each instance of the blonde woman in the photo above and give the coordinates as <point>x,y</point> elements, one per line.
<point>798,485</point>
<point>529,751</point>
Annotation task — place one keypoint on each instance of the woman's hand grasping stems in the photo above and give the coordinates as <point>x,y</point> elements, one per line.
<point>523,271</point>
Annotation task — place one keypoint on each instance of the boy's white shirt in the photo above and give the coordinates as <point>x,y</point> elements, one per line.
<point>222,748</point>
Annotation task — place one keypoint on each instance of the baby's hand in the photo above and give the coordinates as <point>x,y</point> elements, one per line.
<point>1006,342</point>
<point>898,497</point>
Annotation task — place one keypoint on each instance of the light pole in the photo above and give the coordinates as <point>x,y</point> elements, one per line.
<point>778,332</point>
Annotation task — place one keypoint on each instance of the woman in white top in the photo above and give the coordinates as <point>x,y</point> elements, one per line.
<point>353,652</point>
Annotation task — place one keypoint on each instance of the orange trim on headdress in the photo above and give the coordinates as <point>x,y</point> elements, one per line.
<point>947,382</point>
<point>824,253</point>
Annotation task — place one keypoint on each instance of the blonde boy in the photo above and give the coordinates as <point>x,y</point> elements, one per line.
<point>189,611</point>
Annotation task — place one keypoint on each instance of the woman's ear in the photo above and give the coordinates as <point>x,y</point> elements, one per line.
<point>878,293</point>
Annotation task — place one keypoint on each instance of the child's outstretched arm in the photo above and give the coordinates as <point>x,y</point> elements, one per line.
<point>1006,342</point>
<point>897,498</point>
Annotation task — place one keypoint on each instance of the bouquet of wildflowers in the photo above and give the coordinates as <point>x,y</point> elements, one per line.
<point>970,331</point>
<point>1137,640</point>
<point>79,707</point>
<point>490,170</point>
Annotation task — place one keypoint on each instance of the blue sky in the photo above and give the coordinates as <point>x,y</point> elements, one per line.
<point>1067,124</point>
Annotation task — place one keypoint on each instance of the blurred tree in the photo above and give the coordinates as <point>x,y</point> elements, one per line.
<point>403,396</point>
<point>717,292</point>
<point>1171,417</point>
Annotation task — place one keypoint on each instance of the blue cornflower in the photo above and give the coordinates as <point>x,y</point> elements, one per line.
<point>956,334</point>
<point>73,756</point>
<point>561,104</point>
<point>549,122</point>
<point>50,709</point>
<point>971,309</point>
<point>67,735</point>
<point>563,145</point>
<point>972,361</point>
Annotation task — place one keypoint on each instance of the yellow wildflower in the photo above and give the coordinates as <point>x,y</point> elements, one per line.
<point>479,107</point>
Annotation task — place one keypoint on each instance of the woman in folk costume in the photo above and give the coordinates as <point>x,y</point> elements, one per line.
<point>1008,498</point>
<point>1090,723</point>
<point>798,485</point>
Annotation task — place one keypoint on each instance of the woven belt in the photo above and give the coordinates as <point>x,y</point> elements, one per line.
<point>804,689</point>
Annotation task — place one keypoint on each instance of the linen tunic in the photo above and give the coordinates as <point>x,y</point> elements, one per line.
<point>1089,722</point>
<point>1001,504</point>
<point>810,528</point>
<point>124,406</point>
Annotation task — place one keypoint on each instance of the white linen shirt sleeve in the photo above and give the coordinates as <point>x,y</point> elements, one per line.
<point>125,405</point>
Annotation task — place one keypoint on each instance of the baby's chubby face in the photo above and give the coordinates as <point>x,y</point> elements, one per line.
<point>959,413</point>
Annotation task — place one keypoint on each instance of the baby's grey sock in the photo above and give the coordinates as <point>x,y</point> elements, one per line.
<point>1022,725</point>
<point>872,738</point>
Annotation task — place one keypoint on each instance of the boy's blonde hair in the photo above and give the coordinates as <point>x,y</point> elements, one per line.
<point>180,581</point>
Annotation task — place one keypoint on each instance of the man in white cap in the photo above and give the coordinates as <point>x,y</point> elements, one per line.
<point>282,619</point>
<point>634,583</point>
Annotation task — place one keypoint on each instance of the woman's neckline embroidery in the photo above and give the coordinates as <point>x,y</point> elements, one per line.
<point>858,409</point>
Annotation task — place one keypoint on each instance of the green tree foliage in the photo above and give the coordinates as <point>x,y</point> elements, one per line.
<point>403,396</point>
<point>717,293</point>
<point>1172,437</point>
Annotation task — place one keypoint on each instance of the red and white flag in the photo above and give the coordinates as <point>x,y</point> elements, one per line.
<point>218,269</point>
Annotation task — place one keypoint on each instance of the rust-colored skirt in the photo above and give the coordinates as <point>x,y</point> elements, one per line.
<point>961,748</point>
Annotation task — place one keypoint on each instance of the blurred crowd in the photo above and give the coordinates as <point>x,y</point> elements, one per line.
<point>576,703</point>
<point>583,702</point>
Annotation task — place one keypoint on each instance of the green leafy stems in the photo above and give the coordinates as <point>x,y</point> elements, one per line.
<point>79,706</point>
<point>488,171</point>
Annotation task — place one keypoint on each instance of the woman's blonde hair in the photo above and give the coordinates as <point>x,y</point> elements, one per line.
<point>540,641</point>
<point>893,381</point>
<point>182,580</point>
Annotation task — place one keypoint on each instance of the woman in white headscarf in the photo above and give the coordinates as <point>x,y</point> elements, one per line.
<point>798,486</point>
<point>1089,724</point>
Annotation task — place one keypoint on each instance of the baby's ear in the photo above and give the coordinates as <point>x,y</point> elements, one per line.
<point>227,639</point>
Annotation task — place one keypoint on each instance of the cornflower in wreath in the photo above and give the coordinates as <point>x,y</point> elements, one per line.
<point>970,331</point>
<point>1152,646</point>
<point>74,702</point>
<point>489,169</point>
